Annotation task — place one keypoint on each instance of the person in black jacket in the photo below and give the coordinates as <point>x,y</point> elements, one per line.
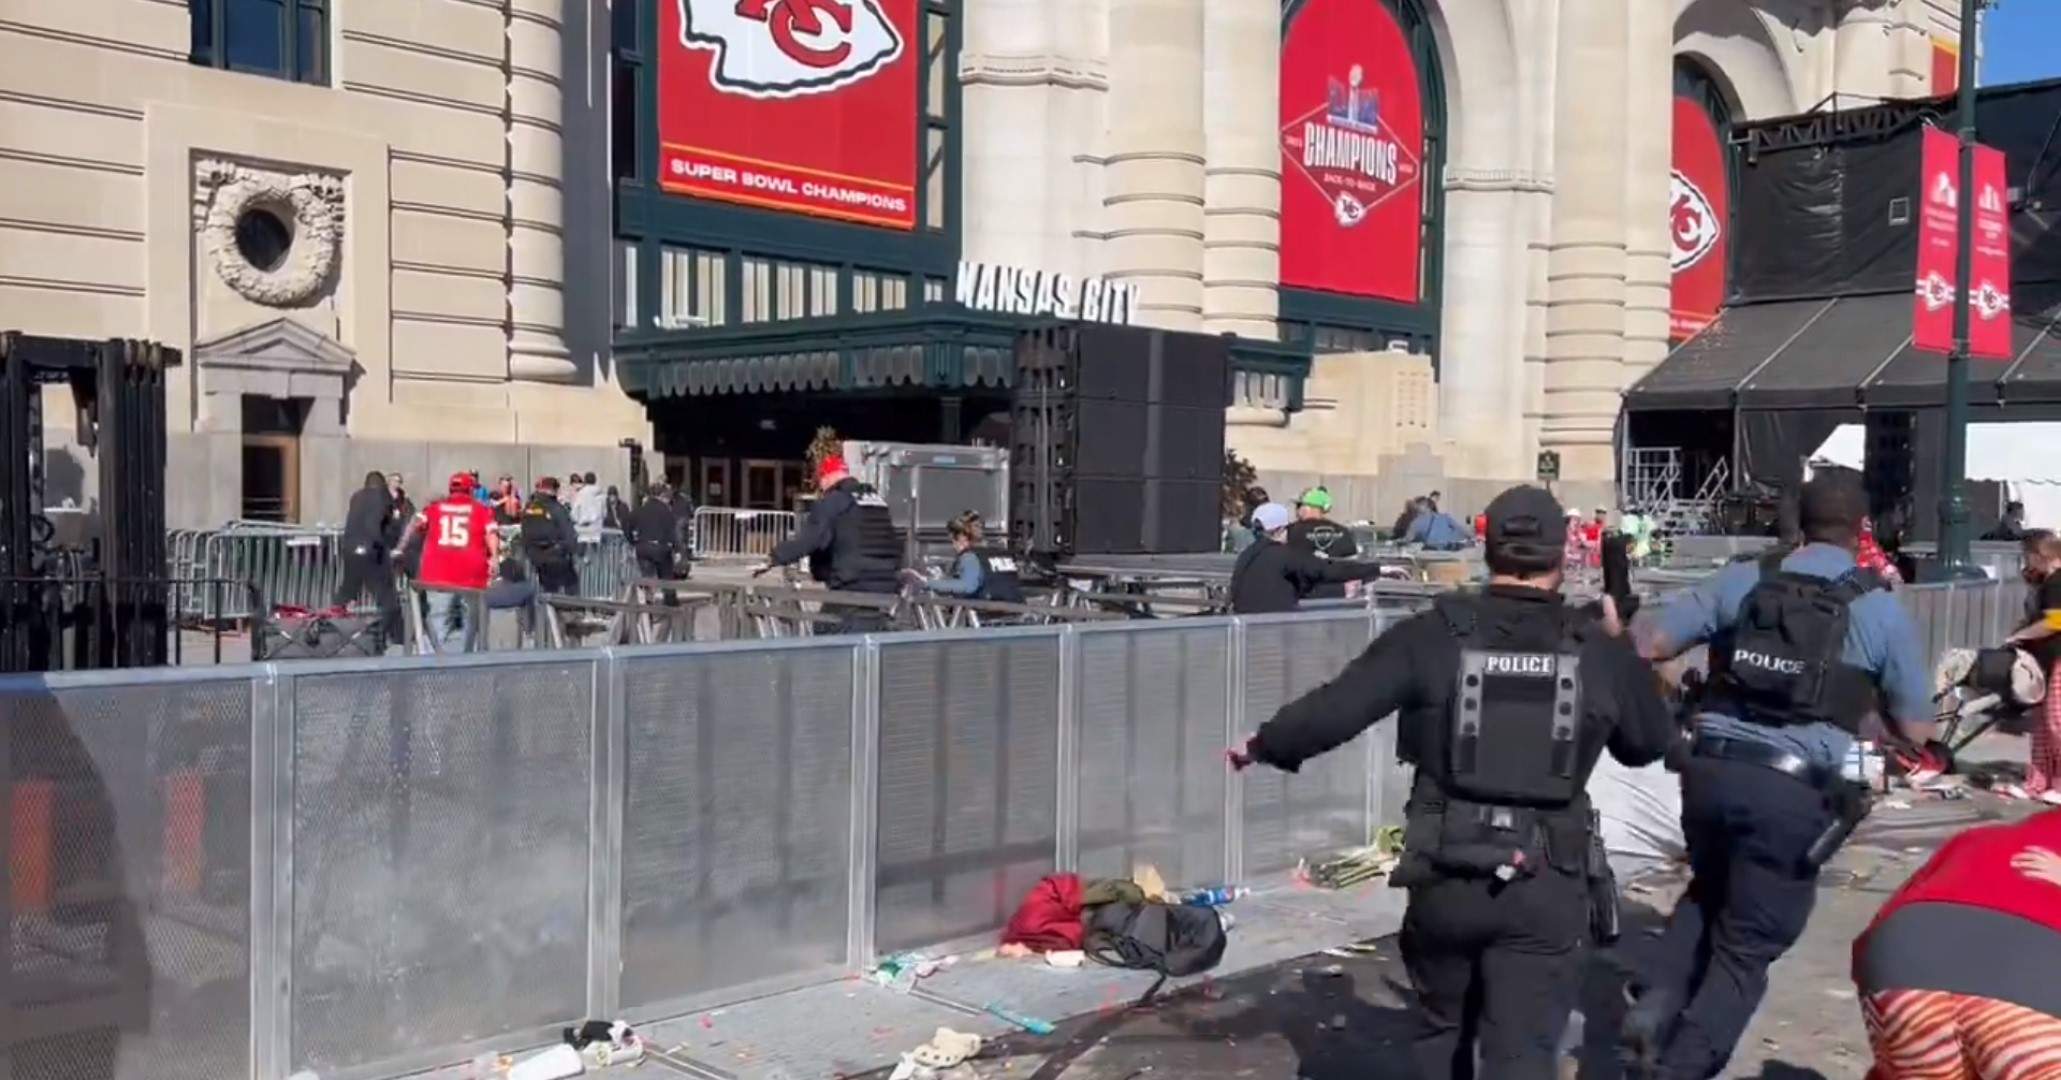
<point>656,531</point>
<point>368,547</point>
<point>1505,699</point>
<point>549,541</point>
<point>851,543</point>
<point>1315,532</point>
<point>1273,575</point>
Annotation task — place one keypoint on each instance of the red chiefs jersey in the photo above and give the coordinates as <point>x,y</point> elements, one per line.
<point>454,544</point>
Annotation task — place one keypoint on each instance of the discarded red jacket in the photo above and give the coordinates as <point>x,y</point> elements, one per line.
<point>1049,919</point>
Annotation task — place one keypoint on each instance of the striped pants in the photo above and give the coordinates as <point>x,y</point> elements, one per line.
<point>2043,763</point>
<point>1934,1035</point>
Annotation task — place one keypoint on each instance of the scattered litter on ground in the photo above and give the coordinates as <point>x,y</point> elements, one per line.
<point>1354,866</point>
<point>1014,951</point>
<point>1028,1023</point>
<point>1895,804</point>
<point>1066,958</point>
<point>602,1043</point>
<point>557,1063</point>
<point>1335,970</point>
<point>1146,877</point>
<point>1338,1022</point>
<point>901,970</point>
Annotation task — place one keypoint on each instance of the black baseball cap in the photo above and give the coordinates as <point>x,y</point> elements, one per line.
<point>1528,525</point>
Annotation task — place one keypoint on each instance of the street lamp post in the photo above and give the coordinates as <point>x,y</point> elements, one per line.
<point>1953,503</point>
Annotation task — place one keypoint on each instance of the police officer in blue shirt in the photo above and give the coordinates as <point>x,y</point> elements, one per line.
<point>1804,645</point>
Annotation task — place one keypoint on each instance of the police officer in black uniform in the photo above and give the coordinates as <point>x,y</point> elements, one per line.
<point>980,570</point>
<point>1804,645</point>
<point>549,541</point>
<point>850,541</point>
<point>1506,699</point>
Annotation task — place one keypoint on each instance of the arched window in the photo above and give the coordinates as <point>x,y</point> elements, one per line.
<point>1363,131</point>
<point>1700,200</point>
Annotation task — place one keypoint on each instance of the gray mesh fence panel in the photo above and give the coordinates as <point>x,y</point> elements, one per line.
<point>1323,807</point>
<point>968,794</point>
<point>440,857</point>
<point>737,829</point>
<point>127,882</point>
<point>1152,725</point>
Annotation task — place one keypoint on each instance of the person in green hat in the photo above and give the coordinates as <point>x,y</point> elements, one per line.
<point>1315,532</point>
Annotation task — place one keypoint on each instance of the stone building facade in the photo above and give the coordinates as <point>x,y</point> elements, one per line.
<point>376,229</point>
<point>1158,126</point>
<point>421,235</point>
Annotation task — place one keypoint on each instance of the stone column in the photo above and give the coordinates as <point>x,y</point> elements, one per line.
<point>1153,199</point>
<point>1241,93</point>
<point>536,194</point>
<point>1863,53</point>
<point>1585,267</point>
<point>1007,78</point>
<point>1648,162</point>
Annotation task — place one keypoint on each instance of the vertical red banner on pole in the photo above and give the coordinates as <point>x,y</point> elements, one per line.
<point>1940,199</point>
<point>1989,297</point>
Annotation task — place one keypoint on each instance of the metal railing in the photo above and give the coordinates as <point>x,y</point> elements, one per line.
<point>302,566</point>
<point>720,530</point>
<point>360,869</point>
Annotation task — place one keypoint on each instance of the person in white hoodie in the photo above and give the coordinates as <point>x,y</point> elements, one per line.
<point>589,506</point>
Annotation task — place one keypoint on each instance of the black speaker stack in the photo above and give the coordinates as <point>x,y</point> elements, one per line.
<point>1117,441</point>
<point>1889,471</point>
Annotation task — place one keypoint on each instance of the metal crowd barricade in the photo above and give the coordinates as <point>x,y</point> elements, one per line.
<point>720,530</point>
<point>418,859</point>
<point>1965,615</point>
<point>292,565</point>
<point>421,858</point>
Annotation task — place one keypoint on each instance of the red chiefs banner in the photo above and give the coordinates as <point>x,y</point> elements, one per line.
<point>800,105</point>
<point>1698,217</point>
<point>1940,201</point>
<point>1989,313</point>
<point>1352,153</point>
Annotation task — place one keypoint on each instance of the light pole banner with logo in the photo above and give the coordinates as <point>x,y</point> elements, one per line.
<point>1352,153</point>
<point>806,106</point>
<point>1698,216</point>
<point>1940,199</point>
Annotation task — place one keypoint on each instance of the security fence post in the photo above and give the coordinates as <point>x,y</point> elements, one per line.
<point>1235,729</point>
<point>605,838</point>
<point>859,929</point>
<point>1067,797</point>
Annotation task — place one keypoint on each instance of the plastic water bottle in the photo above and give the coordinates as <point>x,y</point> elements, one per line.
<point>1214,896</point>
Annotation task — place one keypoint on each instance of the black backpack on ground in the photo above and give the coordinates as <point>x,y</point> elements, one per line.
<point>1171,939</point>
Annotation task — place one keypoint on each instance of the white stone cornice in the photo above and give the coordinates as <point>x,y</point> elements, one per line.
<point>1461,178</point>
<point>1038,69</point>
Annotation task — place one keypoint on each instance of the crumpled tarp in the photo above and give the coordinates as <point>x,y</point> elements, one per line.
<point>1642,816</point>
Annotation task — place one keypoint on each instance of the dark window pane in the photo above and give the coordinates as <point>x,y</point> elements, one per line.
<point>203,12</point>
<point>622,116</point>
<point>256,36</point>
<point>312,48</point>
<point>623,16</point>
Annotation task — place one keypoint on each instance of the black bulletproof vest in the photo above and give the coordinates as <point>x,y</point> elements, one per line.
<point>1784,661</point>
<point>998,576</point>
<point>1514,733</point>
<point>865,550</point>
<point>540,534</point>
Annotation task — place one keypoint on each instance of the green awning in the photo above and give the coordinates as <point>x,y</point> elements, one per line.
<point>943,350</point>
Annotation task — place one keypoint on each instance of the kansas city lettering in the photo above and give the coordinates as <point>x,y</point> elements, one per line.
<point>1327,147</point>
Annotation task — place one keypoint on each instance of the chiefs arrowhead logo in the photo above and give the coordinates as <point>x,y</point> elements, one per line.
<point>789,48</point>
<point>1692,224</point>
